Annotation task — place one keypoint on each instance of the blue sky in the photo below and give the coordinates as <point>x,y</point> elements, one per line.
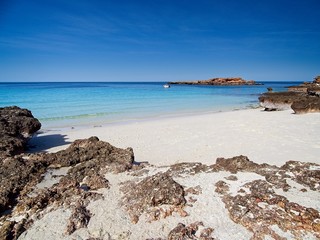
<point>159,40</point>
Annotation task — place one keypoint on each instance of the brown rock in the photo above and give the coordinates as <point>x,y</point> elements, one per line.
<point>219,81</point>
<point>183,232</point>
<point>16,125</point>
<point>6,230</point>
<point>221,187</point>
<point>304,98</point>
<point>150,193</point>
<point>307,174</point>
<point>93,157</point>
<point>307,105</point>
<point>94,154</point>
<point>16,174</point>
<point>276,101</point>
<point>261,209</point>
<point>96,181</point>
<point>235,164</point>
<point>79,219</point>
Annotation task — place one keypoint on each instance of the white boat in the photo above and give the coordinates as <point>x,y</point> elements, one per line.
<point>166,85</point>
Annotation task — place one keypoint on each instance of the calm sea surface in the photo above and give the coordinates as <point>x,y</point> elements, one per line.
<point>68,104</point>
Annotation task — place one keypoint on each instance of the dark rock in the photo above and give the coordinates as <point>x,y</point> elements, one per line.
<point>79,218</point>
<point>221,187</point>
<point>188,168</point>
<point>194,190</point>
<point>17,173</point>
<point>311,88</point>
<point>16,125</point>
<point>261,209</point>
<point>93,158</point>
<point>90,159</point>
<point>6,231</point>
<point>94,154</point>
<point>235,164</point>
<point>150,193</point>
<point>219,81</point>
<point>304,98</point>
<point>232,178</point>
<point>307,174</point>
<point>275,101</point>
<point>96,181</point>
<point>308,105</point>
<point>183,232</point>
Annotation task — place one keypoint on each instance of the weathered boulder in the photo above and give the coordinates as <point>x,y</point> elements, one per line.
<point>308,105</point>
<point>150,193</point>
<point>304,98</point>
<point>235,164</point>
<point>16,125</point>
<point>90,159</point>
<point>94,154</point>
<point>219,81</point>
<point>275,101</point>
<point>15,174</point>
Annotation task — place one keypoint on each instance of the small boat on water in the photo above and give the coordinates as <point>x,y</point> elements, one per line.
<point>166,85</point>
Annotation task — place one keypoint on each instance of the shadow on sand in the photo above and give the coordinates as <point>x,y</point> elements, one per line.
<point>41,143</point>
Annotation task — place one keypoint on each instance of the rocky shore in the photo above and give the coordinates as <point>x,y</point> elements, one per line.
<point>93,190</point>
<point>304,98</point>
<point>219,82</point>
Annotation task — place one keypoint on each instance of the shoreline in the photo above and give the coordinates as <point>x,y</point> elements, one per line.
<point>95,189</point>
<point>265,137</point>
<point>98,122</point>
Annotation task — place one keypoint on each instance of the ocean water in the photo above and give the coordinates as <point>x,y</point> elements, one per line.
<point>59,105</point>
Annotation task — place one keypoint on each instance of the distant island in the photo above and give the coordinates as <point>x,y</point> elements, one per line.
<point>234,81</point>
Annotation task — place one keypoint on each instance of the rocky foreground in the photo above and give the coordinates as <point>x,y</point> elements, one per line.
<point>304,98</point>
<point>93,190</point>
<point>218,82</point>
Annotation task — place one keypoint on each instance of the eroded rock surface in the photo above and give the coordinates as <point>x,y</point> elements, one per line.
<point>304,98</point>
<point>261,209</point>
<point>89,158</point>
<point>16,125</point>
<point>79,219</point>
<point>308,105</point>
<point>277,101</point>
<point>151,193</point>
<point>190,232</point>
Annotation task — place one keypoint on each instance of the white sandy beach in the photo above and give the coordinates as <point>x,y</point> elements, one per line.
<point>265,137</point>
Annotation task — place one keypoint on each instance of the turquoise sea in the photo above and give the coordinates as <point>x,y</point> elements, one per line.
<point>64,104</point>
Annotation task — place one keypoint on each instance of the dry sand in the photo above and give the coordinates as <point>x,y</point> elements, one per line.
<point>271,137</point>
<point>265,137</point>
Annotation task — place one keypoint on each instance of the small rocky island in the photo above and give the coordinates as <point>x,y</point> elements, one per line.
<point>232,81</point>
<point>304,98</point>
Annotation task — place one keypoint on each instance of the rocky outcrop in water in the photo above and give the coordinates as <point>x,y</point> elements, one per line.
<point>304,98</point>
<point>16,126</point>
<point>312,88</point>
<point>219,82</point>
